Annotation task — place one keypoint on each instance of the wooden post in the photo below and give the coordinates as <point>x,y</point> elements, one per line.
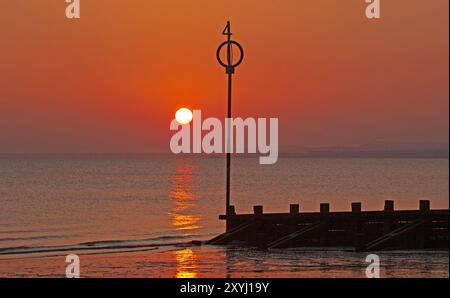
<point>229,222</point>
<point>424,206</point>
<point>388,205</point>
<point>258,210</point>
<point>258,234</point>
<point>388,216</point>
<point>294,209</point>
<point>425,231</point>
<point>324,212</point>
<point>356,207</point>
<point>291,225</point>
<point>356,227</point>
<point>324,208</point>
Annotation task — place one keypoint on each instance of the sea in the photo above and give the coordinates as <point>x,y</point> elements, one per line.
<point>137,215</point>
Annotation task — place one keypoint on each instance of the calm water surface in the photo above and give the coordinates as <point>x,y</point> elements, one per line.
<point>133,215</point>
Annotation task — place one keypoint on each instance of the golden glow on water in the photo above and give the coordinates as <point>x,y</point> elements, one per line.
<point>187,264</point>
<point>179,219</point>
<point>185,222</point>
<point>183,216</point>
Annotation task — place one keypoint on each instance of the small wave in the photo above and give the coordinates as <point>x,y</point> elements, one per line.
<point>32,231</point>
<point>173,237</point>
<point>160,238</point>
<point>13,248</point>
<point>36,238</point>
<point>106,246</point>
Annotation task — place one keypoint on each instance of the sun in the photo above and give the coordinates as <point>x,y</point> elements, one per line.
<point>183,116</point>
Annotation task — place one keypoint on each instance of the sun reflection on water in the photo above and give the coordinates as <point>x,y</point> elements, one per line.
<point>183,217</point>
<point>187,264</point>
<point>183,197</point>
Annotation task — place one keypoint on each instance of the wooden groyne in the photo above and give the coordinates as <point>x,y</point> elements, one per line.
<point>423,228</point>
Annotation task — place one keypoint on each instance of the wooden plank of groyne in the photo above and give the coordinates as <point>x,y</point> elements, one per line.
<point>382,241</point>
<point>364,230</point>
<point>222,238</point>
<point>292,236</point>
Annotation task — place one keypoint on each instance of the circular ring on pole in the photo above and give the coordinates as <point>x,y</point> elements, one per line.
<point>231,43</point>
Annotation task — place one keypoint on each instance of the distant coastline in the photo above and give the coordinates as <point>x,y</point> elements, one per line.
<point>438,153</point>
<point>317,153</point>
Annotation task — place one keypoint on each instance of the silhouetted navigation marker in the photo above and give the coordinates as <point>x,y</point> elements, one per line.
<point>230,65</point>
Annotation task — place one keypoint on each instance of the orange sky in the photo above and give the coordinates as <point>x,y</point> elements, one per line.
<point>111,81</point>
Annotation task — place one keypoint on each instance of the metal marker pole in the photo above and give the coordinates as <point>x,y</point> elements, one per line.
<point>229,66</point>
<point>230,74</point>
